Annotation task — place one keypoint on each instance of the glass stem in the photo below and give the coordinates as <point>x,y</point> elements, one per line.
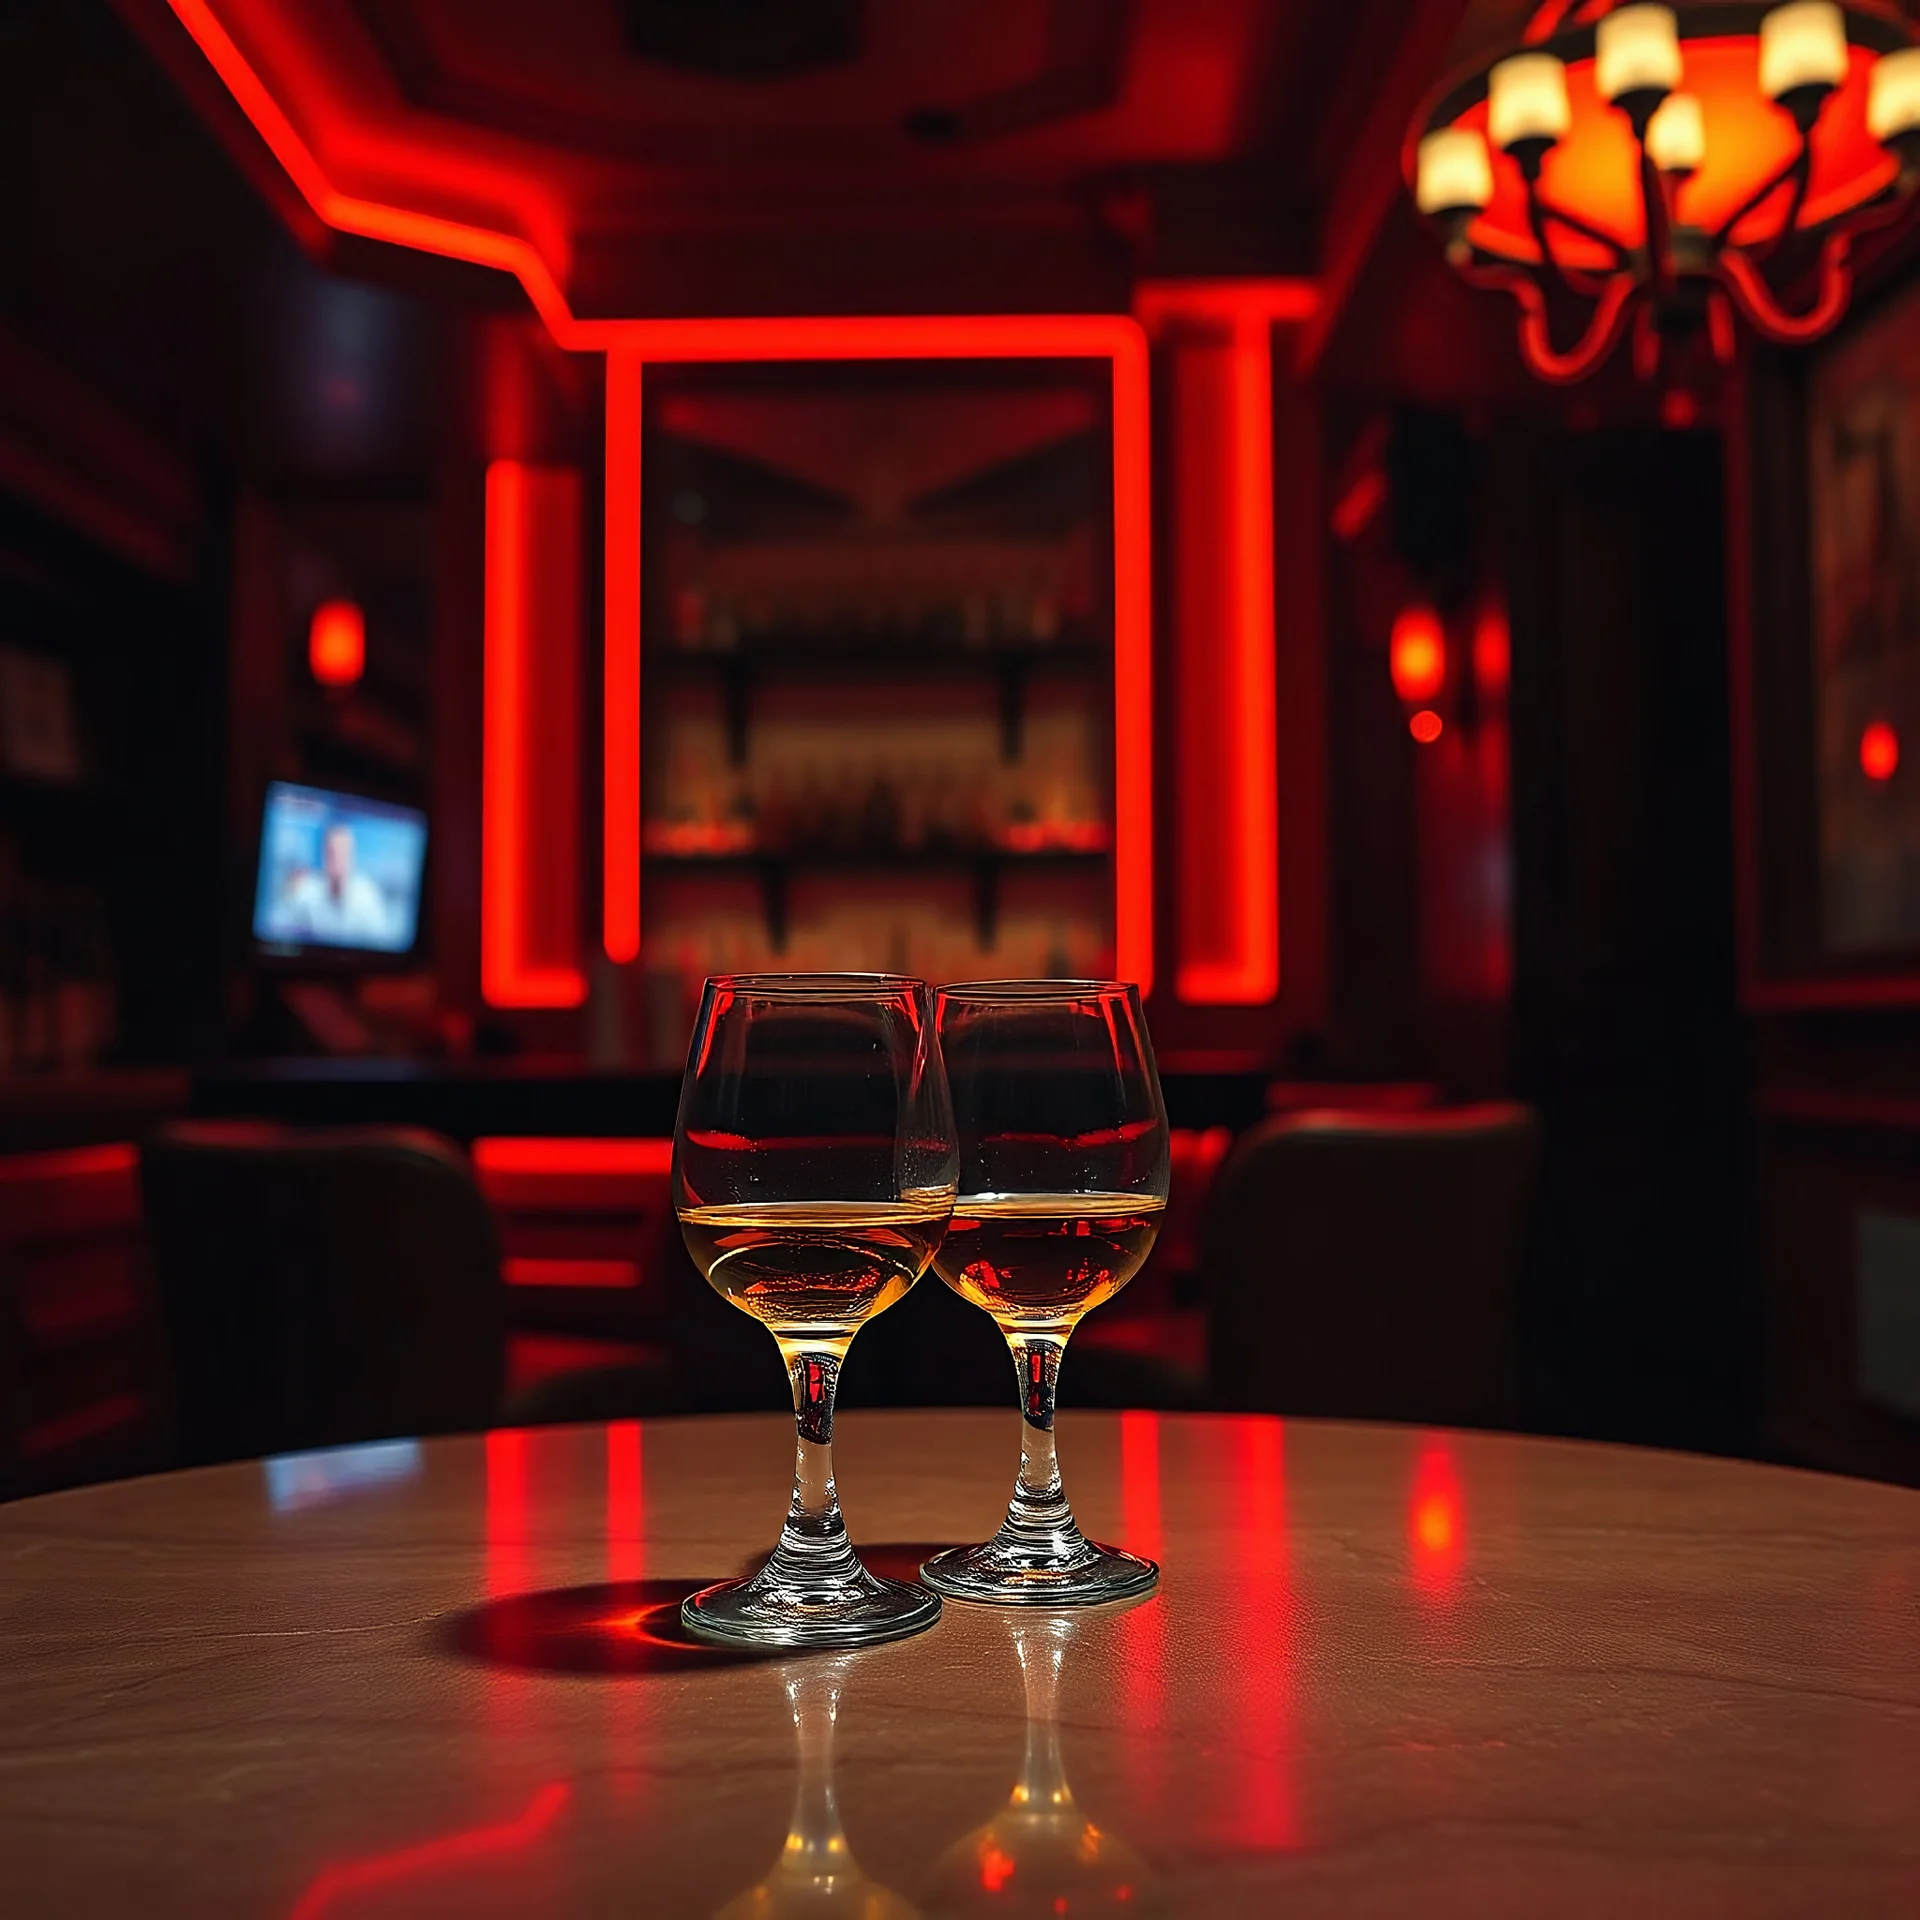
<point>813,1544</point>
<point>1038,1511</point>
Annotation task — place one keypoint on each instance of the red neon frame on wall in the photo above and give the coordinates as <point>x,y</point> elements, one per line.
<point>1111,337</point>
<point>629,345</point>
<point>1221,387</point>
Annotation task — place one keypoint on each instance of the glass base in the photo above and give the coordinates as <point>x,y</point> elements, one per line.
<point>861,1611</point>
<point>1008,1573</point>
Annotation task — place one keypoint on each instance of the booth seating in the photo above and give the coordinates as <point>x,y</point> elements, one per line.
<point>81,1383</point>
<point>321,1287</point>
<point>1366,1264</point>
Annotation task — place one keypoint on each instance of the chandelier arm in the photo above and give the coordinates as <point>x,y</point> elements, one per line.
<point>1542,216</point>
<point>1802,180</point>
<point>1587,231</point>
<point>1764,313</point>
<point>1659,224</point>
<point>1723,234</point>
<point>1536,338</point>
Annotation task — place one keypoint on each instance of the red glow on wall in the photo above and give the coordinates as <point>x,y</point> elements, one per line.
<point>1436,1520</point>
<point>337,643</point>
<point>633,344</point>
<point>1492,652</point>
<point>1879,751</point>
<point>626,1503</point>
<point>1353,512</point>
<point>1417,656</point>
<point>1426,726</point>
<point>434,1856</point>
<point>1220,351</point>
<point>530,811</point>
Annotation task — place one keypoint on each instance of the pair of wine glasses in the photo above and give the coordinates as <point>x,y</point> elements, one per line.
<point>838,1134</point>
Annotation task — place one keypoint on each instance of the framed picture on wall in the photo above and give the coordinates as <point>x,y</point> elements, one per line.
<point>1830,668</point>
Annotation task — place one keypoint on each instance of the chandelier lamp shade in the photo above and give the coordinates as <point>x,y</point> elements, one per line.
<point>1661,170</point>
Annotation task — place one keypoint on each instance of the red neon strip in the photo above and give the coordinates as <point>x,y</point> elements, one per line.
<point>454,1850</point>
<point>509,976</point>
<point>860,337</point>
<point>427,233</point>
<point>1235,960</point>
<point>1268,301</point>
<point>620,880</point>
<point>514,1155</point>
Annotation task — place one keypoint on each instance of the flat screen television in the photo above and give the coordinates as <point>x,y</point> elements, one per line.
<point>339,874</point>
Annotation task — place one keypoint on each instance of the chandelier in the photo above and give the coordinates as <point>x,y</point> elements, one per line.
<point>1664,168</point>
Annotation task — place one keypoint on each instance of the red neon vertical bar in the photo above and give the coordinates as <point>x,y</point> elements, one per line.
<point>1256,772</point>
<point>626,1506</point>
<point>1229,908</point>
<point>503,736</point>
<point>1132,665</point>
<point>529,823</point>
<point>620,883</point>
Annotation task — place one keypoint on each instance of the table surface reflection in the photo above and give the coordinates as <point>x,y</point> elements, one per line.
<point>1387,1672</point>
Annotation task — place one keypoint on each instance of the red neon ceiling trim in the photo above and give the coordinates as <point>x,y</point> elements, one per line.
<point>629,344</point>
<point>1112,337</point>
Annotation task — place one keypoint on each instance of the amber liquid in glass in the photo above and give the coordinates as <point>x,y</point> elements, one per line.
<point>1041,1260</point>
<point>814,1268</point>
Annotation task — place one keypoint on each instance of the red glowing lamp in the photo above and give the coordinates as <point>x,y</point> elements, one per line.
<point>1879,751</point>
<point>1426,726</point>
<point>1670,166</point>
<point>1417,656</point>
<point>337,643</point>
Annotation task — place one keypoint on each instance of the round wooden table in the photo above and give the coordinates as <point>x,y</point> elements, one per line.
<point>1386,1673</point>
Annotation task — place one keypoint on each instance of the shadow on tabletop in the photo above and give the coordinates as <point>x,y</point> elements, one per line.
<point>628,1626</point>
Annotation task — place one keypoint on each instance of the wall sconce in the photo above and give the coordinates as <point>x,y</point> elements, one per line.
<point>337,643</point>
<point>1417,659</point>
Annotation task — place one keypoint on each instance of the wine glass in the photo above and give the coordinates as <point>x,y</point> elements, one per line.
<point>1063,1180</point>
<point>814,1165</point>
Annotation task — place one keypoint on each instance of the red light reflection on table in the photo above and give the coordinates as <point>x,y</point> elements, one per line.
<point>1262,1806</point>
<point>1140,1482</point>
<point>509,1568</point>
<point>1436,1520</point>
<point>433,1856</point>
<point>1143,1630</point>
<point>626,1504</point>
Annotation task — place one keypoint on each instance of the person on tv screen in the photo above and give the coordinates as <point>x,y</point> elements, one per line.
<point>337,903</point>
